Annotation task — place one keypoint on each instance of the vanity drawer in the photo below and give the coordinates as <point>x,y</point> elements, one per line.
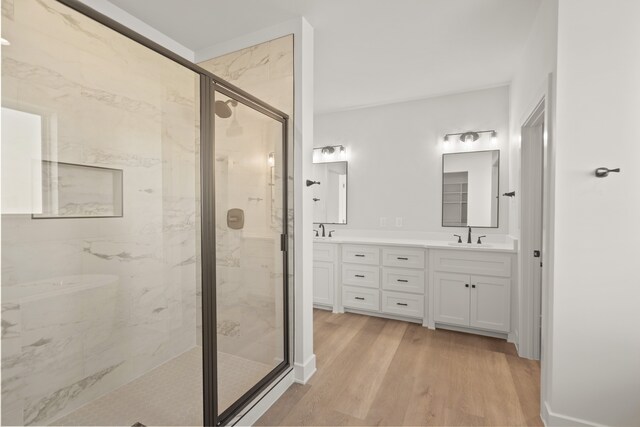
<point>403,280</point>
<point>361,254</point>
<point>324,252</point>
<point>490,264</point>
<point>361,275</point>
<point>365,299</point>
<point>403,304</point>
<point>403,257</point>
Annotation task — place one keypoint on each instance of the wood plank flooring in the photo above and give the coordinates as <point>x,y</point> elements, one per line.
<point>374,371</point>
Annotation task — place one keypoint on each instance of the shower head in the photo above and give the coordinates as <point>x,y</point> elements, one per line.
<point>222,108</point>
<point>234,128</point>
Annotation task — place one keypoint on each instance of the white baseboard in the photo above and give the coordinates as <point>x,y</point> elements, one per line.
<point>551,419</point>
<point>491,334</point>
<point>383,315</point>
<point>262,405</point>
<point>303,372</point>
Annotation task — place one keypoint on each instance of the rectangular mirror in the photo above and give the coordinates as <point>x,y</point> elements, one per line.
<point>470,186</point>
<point>330,196</point>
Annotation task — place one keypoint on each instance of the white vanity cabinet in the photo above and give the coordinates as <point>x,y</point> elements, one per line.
<point>323,283</point>
<point>472,290</point>
<point>324,274</point>
<point>462,289</point>
<point>385,280</point>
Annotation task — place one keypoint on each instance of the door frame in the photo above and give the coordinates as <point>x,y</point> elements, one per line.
<point>208,90</point>
<point>532,306</point>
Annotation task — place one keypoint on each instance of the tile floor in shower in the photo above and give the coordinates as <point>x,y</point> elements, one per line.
<point>170,394</point>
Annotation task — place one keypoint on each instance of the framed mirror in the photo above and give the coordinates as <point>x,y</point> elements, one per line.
<point>330,195</point>
<point>470,189</point>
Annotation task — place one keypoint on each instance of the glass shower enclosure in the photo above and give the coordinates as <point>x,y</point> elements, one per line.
<point>144,242</point>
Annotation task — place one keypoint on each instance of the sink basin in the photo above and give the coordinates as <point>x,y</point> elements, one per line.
<point>470,245</point>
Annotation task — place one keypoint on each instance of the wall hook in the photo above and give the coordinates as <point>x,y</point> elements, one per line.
<point>510,194</point>
<point>604,172</point>
<point>310,183</point>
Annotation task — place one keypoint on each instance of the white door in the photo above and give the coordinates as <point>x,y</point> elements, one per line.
<point>451,294</point>
<point>323,283</point>
<point>490,303</point>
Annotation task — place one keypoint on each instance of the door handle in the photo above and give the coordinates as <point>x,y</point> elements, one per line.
<point>360,255</point>
<point>403,258</point>
<point>403,280</point>
<point>360,298</point>
<point>401,303</point>
<point>360,275</point>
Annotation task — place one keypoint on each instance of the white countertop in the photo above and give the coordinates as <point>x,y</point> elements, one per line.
<point>508,246</point>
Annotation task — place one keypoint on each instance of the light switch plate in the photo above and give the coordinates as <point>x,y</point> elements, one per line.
<point>383,221</point>
<point>398,221</point>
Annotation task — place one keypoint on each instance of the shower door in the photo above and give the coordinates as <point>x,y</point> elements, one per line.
<point>249,164</point>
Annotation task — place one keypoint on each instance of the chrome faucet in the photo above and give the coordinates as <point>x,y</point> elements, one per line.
<point>469,236</point>
<point>322,226</point>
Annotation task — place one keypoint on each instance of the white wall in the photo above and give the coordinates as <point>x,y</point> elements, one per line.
<point>395,156</point>
<point>527,88</point>
<point>596,342</point>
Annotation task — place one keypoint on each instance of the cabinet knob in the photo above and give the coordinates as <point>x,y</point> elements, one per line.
<point>473,286</point>
<point>466,285</point>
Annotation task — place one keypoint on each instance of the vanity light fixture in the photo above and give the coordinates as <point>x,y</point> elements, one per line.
<point>329,154</point>
<point>472,135</point>
<point>4,42</point>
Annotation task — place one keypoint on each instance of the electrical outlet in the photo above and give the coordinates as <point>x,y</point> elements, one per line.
<point>398,221</point>
<point>383,221</point>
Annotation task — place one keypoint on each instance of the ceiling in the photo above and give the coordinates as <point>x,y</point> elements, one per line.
<point>368,52</point>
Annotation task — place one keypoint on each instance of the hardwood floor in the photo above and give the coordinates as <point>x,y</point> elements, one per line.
<point>373,371</point>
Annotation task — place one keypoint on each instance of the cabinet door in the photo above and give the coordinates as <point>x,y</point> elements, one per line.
<point>323,281</point>
<point>451,298</point>
<point>490,303</point>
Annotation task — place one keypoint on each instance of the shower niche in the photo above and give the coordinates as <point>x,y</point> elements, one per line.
<point>80,191</point>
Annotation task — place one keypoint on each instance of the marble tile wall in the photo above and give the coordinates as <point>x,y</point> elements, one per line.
<point>90,304</point>
<point>248,261</point>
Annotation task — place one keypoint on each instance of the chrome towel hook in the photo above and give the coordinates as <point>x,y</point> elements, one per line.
<point>604,172</point>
